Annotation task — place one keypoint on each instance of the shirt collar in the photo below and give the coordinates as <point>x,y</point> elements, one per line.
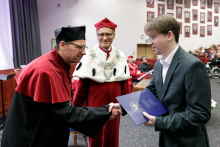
<point>170,57</point>
<point>106,49</point>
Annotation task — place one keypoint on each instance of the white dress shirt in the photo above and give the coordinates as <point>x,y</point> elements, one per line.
<point>166,63</point>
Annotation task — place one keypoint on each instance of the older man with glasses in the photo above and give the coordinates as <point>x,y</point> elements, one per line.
<point>103,74</point>
<point>40,114</point>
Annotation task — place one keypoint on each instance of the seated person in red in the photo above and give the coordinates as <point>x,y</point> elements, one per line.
<point>144,67</point>
<point>134,71</point>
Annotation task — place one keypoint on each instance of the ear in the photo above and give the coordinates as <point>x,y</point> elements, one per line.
<point>62,45</point>
<point>114,36</point>
<point>170,35</point>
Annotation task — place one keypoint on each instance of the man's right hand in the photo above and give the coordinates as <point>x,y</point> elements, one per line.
<point>138,72</point>
<point>116,110</point>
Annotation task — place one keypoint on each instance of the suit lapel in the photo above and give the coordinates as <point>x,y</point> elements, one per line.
<point>173,65</point>
<point>160,79</point>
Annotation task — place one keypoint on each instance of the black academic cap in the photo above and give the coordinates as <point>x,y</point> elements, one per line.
<point>70,34</point>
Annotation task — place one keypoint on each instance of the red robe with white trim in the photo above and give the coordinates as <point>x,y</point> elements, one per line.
<point>94,94</point>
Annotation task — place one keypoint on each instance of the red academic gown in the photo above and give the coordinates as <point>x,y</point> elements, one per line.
<point>133,68</point>
<point>91,93</point>
<point>40,114</point>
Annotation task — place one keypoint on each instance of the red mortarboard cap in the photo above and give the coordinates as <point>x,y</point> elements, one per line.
<point>105,23</point>
<point>130,57</point>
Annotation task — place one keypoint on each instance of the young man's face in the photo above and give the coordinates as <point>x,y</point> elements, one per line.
<point>158,42</point>
<point>105,37</point>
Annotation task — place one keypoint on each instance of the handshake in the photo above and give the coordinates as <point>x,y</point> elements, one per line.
<point>115,109</point>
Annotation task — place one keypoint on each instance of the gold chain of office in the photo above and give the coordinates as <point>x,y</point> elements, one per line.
<point>108,67</point>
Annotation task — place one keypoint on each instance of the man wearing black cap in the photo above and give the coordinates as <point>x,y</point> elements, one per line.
<point>40,114</point>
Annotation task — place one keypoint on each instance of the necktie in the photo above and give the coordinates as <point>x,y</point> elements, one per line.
<point>106,51</point>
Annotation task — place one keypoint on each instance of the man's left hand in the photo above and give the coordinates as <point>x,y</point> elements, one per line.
<point>151,118</point>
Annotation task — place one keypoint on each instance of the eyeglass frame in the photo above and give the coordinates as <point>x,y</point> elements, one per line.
<point>108,35</point>
<point>81,48</point>
<point>151,39</point>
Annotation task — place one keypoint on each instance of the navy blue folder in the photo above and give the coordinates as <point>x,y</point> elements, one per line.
<point>142,101</point>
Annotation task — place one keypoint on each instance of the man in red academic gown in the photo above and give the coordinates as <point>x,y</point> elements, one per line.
<point>134,71</point>
<point>104,71</point>
<point>40,113</point>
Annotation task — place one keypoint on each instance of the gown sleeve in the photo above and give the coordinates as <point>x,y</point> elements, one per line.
<point>87,120</point>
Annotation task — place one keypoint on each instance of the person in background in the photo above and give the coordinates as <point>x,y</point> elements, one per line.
<point>218,49</point>
<point>212,52</point>
<point>218,59</point>
<point>181,83</point>
<point>199,49</point>
<point>212,61</point>
<point>145,67</point>
<point>194,53</point>
<point>40,114</point>
<point>134,71</point>
<point>206,54</point>
<point>103,74</point>
<point>200,54</point>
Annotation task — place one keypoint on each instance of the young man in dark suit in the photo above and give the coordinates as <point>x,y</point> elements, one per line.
<point>181,83</point>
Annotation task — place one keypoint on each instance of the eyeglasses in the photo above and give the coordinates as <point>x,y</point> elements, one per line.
<point>151,38</point>
<point>107,35</point>
<point>81,48</point>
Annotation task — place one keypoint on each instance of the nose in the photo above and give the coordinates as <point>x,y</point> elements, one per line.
<point>105,37</point>
<point>84,52</point>
<point>149,42</point>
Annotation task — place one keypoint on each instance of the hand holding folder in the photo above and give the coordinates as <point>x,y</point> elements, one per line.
<point>142,101</point>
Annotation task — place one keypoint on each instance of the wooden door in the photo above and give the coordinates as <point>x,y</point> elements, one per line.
<point>145,50</point>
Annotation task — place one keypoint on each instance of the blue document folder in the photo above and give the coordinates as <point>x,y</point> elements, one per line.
<point>142,101</point>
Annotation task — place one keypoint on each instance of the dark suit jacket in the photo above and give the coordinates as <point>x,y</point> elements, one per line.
<point>186,94</point>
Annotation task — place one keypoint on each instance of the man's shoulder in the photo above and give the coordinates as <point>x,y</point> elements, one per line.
<point>44,65</point>
<point>189,57</point>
